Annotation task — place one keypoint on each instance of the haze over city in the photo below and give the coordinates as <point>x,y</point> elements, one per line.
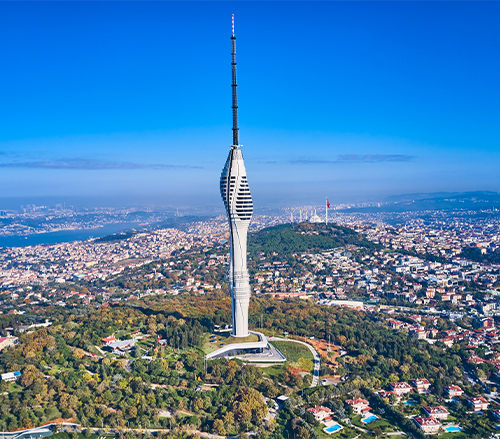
<point>355,101</point>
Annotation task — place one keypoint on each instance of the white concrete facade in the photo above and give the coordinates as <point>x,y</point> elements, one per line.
<point>262,343</point>
<point>237,199</point>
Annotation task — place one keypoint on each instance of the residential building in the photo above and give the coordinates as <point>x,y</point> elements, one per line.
<point>478,403</point>
<point>438,412</point>
<point>400,388</point>
<point>429,425</point>
<point>421,385</point>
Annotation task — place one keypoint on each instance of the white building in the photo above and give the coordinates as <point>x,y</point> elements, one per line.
<point>429,425</point>
<point>11,377</point>
<point>8,341</point>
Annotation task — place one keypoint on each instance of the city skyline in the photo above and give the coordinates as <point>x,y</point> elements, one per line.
<point>384,98</point>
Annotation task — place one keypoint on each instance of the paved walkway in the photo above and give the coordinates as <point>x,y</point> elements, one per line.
<point>315,380</point>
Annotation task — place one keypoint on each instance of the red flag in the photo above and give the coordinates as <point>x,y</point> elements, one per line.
<point>327,203</point>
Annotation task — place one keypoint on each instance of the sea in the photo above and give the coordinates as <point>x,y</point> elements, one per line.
<point>64,236</point>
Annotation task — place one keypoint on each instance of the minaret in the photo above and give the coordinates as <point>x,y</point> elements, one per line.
<point>237,199</point>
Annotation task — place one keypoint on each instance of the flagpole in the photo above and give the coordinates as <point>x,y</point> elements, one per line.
<point>326,211</point>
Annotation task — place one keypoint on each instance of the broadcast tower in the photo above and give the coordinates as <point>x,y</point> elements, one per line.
<point>237,199</point>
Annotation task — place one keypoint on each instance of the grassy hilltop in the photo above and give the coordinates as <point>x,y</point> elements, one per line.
<point>304,237</point>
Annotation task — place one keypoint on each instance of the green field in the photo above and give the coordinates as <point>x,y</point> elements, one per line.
<point>457,434</point>
<point>381,423</point>
<point>293,351</point>
<point>14,387</point>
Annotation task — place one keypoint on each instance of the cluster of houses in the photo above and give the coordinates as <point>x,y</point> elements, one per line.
<point>92,260</point>
<point>430,422</point>
<point>324,415</point>
<point>421,386</point>
<point>486,334</point>
<point>400,388</point>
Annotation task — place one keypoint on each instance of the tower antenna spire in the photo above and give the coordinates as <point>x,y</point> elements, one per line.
<point>233,85</point>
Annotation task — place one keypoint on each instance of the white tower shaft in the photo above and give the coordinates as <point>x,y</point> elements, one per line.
<point>237,199</point>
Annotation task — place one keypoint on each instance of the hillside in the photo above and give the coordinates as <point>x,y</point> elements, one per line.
<point>304,237</point>
<point>476,200</point>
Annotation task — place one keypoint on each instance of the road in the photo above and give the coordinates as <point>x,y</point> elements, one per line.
<point>315,379</point>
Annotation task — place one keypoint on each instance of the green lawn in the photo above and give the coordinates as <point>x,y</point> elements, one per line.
<point>460,434</point>
<point>145,343</point>
<point>273,371</point>
<point>381,423</point>
<point>296,355</point>
<point>14,387</point>
<point>292,351</point>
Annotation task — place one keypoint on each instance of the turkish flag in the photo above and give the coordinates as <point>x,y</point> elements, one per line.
<point>327,203</point>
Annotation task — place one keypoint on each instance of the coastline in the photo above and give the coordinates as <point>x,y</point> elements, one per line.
<point>63,236</point>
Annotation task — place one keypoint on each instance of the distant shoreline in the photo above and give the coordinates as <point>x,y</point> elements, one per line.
<point>63,236</point>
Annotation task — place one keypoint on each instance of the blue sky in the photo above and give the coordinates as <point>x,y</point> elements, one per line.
<point>352,100</point>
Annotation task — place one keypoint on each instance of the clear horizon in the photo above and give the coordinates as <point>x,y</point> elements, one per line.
<point>350,101</point>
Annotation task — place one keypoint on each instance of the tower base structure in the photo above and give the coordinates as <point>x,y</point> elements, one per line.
<point>240,305</point>
<point>260,351</point>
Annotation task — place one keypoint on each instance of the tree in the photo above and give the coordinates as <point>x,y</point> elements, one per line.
<point>219,427</point>
<point>248,406</point>
<point>30,374</point>
<point>132,412</point>
<point>78,353</point>
<point>198,404</point>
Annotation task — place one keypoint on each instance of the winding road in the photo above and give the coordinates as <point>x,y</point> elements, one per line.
<point>315,379</point>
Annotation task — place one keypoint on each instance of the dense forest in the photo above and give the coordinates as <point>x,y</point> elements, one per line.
<point>475,254</point>
<point>304,237</point>
<point>66,374</point>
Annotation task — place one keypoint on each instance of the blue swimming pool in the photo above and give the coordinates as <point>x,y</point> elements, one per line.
<point>333,428</point>
<point>410,402</point>
<point>369,419</point>
<point>452,429</point>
